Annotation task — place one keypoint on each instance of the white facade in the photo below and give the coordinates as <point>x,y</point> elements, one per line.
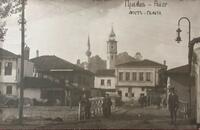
<point>197,85</point>
<point>10,75</point>
<point>132,82</point>
<point>132,93</point>
<point>104,82</point>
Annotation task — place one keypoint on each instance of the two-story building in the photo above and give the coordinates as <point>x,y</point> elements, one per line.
<point>136,78</point>
<point>10,64</point>
<point>74,78</point>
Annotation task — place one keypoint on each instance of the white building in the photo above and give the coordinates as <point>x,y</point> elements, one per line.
<point>196,93</point>
<point>105,80</point>
<point>10,72</point>
<point>135,78</point>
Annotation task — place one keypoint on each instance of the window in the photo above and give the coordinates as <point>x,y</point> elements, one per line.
<point>102,82</point>
<point>148,76</point>
<point>111,57</point>
<point>134,76</point>
<point>141,94</point>
<point>126,94</point>
<point>120,76</point>
<point>127,76</point>
<point>132,94</point>
<point>109,82</point>
<point>0,68</point>
<point>9,90</point>
<point>119,93</point>
<point>143,89</point>
<point>8,68</point>
<point>141,78</point>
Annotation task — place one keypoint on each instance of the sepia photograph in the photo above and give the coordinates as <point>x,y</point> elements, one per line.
<point>99,64</point>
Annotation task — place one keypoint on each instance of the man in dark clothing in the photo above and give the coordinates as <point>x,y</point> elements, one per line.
<point>173,103</point>
<point>107,103</point>
<point>85,103</point>
<point>141,100</point>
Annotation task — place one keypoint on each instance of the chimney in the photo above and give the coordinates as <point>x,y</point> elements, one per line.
<point>26,52</point>
<point>78,62</point>
<point>164,62</point>
<point>37,53</point>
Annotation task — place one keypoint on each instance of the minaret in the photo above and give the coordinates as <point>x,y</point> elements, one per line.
<point>88,53</point>
<point>111,50</point>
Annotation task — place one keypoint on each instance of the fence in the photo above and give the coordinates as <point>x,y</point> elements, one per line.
<point>183,109</point>
<point>96,108</point>
<point>42,114</point>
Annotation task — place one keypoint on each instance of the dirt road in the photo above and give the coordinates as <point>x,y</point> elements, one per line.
<point>128,117</point>
<point>125,117</point>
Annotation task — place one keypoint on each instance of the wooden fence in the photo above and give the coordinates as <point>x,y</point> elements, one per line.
<point>96,108</point>
<point>183,109</point>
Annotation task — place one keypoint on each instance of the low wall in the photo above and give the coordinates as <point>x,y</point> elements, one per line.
<point>41,112</point>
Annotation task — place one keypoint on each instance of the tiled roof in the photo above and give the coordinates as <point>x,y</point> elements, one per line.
<point>142,63</point>
<point>106,72</point>
<point>7,54</point>
<point>47,63</point>
<point>179,70</point>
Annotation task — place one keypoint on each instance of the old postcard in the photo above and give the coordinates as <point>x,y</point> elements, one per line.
<point>100,64</point>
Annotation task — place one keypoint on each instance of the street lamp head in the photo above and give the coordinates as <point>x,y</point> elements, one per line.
<point>178,39</point>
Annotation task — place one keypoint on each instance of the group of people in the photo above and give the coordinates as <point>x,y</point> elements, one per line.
<point>143,101</point>
<point>173,104</point>
<point>86,106</point>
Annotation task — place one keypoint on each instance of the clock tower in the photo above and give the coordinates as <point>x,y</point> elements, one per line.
<point>111,50</point>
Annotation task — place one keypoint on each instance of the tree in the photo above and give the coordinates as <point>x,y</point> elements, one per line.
<point>7,8</point>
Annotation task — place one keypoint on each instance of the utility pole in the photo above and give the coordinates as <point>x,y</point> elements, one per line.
<point>21,100</point>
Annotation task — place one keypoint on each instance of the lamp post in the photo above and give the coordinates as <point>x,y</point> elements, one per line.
<point>190,52</point>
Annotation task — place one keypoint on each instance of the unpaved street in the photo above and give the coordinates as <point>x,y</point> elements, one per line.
<point>128,117</point>
<point>122,118</point>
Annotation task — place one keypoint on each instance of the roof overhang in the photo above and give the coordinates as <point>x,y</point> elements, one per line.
<point>61,70</point>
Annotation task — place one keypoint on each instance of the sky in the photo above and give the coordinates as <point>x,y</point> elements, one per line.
<point>61,28</point>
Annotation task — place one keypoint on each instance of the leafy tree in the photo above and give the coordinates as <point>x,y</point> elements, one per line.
<point>7,8</point>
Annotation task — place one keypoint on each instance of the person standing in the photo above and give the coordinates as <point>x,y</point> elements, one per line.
<point>87,109</point>
<point>141,100</point>
<point>85,104</point>
<point>107,103</point>
<point>173,104</point>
